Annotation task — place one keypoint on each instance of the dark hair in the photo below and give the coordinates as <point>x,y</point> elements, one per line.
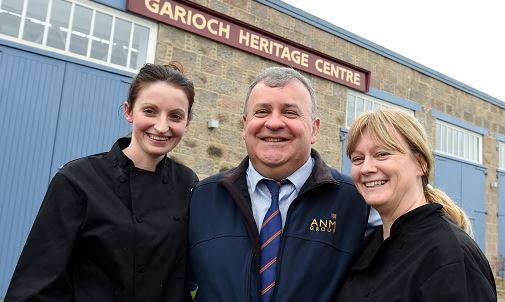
<point>171,73</point>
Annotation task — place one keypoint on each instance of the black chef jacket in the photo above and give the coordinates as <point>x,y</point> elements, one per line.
<point>426,258</point>
<point>107,231</point>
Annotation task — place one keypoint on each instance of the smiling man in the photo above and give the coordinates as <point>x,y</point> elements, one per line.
<point>282,226</point>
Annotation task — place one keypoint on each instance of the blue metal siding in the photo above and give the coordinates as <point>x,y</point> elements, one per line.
<point>30,90</point>
<point>473,199</point>
<point>53,111</point>
<point>466,185</point>
<point>345,167</point>
<point>448,177</point>
<point>91,116</point>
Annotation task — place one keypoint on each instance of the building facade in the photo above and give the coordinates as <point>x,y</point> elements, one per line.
<point>65,66</point>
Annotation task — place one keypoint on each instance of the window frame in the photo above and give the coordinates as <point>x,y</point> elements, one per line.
<point>95,7</point>
<point>501,155</point>
<point>450,140</point>
<point>374,104</point>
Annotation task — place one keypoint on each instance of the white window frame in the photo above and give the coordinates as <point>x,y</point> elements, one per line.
<point>501,156</point>
<point>152,26</point>
<point>369,103</point>
<point>458,142</point>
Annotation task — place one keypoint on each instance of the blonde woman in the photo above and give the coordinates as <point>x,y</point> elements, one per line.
<point>423,252</point>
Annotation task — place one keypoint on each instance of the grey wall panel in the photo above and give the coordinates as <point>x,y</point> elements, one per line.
<point>91,117</point>
<point>52,112</point>
<point>474,194</point>
<point>30,90</point>
<point>466,185</point>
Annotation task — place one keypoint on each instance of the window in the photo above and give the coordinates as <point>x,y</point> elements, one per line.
<point>81,29</point>
<point>501,156</point>
<point>458,142</point>
<point>359,103</point>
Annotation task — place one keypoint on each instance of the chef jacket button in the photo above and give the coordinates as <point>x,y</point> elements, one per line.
<point>139,219</point>
<point>142,269</point>
<point>176,218</point>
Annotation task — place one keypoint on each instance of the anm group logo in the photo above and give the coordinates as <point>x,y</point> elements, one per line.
<point>324,225</point>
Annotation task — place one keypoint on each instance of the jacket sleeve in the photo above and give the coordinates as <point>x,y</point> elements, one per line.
<point>457,282</point>
<point>41,273</point>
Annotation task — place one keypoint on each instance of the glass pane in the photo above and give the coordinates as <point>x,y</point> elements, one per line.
<point>454,146</point>
<point>478,158</point>
<point>368,106</point>
<point>10,17</point>
<point>80,30</point>
<point>138,54</point>
<point>58,27</point>
<point>35,20</point>
<point>101,36</point>
<point>359,106</point>
<point>350,110</point>
<point>502,156</point>
<point>443,140</point>
<point>438,137</point>
<point>459,145</point>
<point>121,41</point>
<point>472,147</point>
<point>466,152</point>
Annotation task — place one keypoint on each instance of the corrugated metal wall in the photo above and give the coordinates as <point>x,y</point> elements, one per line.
<point>30,90</point>
<point>465,184</point>
<point>91,116</point>
<point>52,111</point>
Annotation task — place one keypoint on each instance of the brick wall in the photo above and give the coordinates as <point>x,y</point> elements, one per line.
<point>500,287</point>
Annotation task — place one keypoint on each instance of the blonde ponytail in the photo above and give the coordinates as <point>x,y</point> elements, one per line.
<point>450,209</point>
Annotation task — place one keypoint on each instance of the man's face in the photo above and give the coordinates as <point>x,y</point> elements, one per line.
<point>279,129</point>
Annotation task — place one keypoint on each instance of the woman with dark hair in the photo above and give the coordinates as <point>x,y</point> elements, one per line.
<point>423,252</point>
<point>113,226</point>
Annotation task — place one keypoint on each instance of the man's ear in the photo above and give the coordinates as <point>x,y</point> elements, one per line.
<point>244,119</point>
<point>316,124</point>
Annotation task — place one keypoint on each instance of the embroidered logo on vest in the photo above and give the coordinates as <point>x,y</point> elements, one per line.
<point>324,225</point>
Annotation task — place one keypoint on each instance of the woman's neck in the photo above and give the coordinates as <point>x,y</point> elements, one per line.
<point>143,162</point>
<point>388,217</point>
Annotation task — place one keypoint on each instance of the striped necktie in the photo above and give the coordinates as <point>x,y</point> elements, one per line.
<point>270,238</point>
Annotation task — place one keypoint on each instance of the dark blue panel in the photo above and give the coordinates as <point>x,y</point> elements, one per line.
<point>501,215</point>
<point>345,167</point>
<point>30,90</point>
<point>91,116</point>
<point>473,200</point>
<point>466,185</point>
<point>448,177</point>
